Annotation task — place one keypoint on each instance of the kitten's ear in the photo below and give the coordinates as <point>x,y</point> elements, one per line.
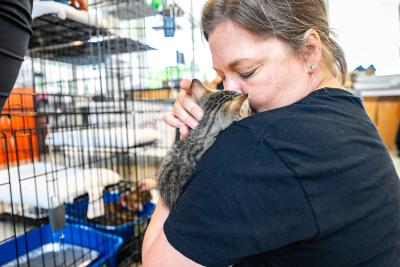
<point>198,89</point>
<point>240,106</point>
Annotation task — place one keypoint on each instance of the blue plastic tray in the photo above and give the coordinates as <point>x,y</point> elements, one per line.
<point>104,246</point>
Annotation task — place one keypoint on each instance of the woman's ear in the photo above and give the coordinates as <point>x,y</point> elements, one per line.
<point>199,90</point>
<point>312,50</point>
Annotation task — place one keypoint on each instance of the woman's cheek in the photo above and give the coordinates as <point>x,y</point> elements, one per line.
<point>255,105</point>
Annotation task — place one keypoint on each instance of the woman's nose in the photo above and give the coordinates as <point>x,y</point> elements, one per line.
<point>231,85</point>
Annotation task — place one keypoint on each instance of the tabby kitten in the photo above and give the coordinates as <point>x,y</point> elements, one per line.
<point>221,108</point>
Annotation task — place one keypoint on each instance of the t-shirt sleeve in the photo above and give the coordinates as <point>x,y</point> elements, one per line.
<point>241,200</point>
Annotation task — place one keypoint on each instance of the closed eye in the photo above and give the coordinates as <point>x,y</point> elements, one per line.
<point>246,75</point>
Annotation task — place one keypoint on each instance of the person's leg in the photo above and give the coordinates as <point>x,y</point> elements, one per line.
<point>9,69</point>
<point>14,37</point>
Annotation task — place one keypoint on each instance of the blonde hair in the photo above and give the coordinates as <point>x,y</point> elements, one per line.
<point>286,19</point>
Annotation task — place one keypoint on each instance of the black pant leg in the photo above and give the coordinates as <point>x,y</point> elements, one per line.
<point>9,69</point>
<point>15,32</point>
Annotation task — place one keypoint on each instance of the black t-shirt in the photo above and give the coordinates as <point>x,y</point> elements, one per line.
<point>309,184</point>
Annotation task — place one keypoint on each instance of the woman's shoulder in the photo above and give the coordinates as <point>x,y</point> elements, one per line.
<point>323,106</point>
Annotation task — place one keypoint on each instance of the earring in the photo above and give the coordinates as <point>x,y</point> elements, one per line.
<point>313,66</point>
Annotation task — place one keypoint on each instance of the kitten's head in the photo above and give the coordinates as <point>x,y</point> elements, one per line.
<point>220,108</point>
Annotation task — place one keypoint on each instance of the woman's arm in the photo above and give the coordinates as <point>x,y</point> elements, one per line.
<point>156,250</point>
<point>155,227</point>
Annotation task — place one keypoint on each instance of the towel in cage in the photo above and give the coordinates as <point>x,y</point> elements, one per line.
<point>64,12</point>
<point>102,140</point>
<point>32,186</point>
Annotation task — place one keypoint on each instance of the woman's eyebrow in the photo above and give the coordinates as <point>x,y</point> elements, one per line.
<point>235,63</point>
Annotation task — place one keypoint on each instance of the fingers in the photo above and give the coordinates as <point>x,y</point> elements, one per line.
<point>185,85</point>
<point>188,104</point>
<point>184,132</point>
<point>181,112</point>
<point>186,114</point>
<point>173,121</point>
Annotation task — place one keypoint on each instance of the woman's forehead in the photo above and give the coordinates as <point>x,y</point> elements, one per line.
<point>233,47</point>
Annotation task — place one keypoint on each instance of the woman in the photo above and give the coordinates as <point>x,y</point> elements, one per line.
<point>15,29</point>
<point>306,181</point>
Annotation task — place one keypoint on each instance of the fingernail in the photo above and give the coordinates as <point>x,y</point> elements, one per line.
<point>201,114</point>
<point>194,125</point>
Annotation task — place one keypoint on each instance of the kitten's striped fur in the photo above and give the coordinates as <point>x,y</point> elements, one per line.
<point>221,108</point>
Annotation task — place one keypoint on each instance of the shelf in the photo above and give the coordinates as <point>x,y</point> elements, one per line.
<point>131,10</point>
<point>124,9</point>
<point>377,92</point>
<point>50,31</point>
<point>62,33</point>
<point>89,53</point>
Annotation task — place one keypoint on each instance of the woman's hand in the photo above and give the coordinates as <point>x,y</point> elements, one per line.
<point>185,114</point>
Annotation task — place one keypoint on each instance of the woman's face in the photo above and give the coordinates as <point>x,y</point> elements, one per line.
<point>267,69</point>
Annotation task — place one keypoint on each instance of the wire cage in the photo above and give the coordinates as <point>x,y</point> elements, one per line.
<point>81,129</point>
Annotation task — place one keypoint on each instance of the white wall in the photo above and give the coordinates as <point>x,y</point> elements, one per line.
<point>369,32</point>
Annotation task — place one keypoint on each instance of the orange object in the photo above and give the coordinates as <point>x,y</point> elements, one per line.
<point>388,119</point>
<point>18,137</point>
<point>384,112</point>
<point>83,5</point>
